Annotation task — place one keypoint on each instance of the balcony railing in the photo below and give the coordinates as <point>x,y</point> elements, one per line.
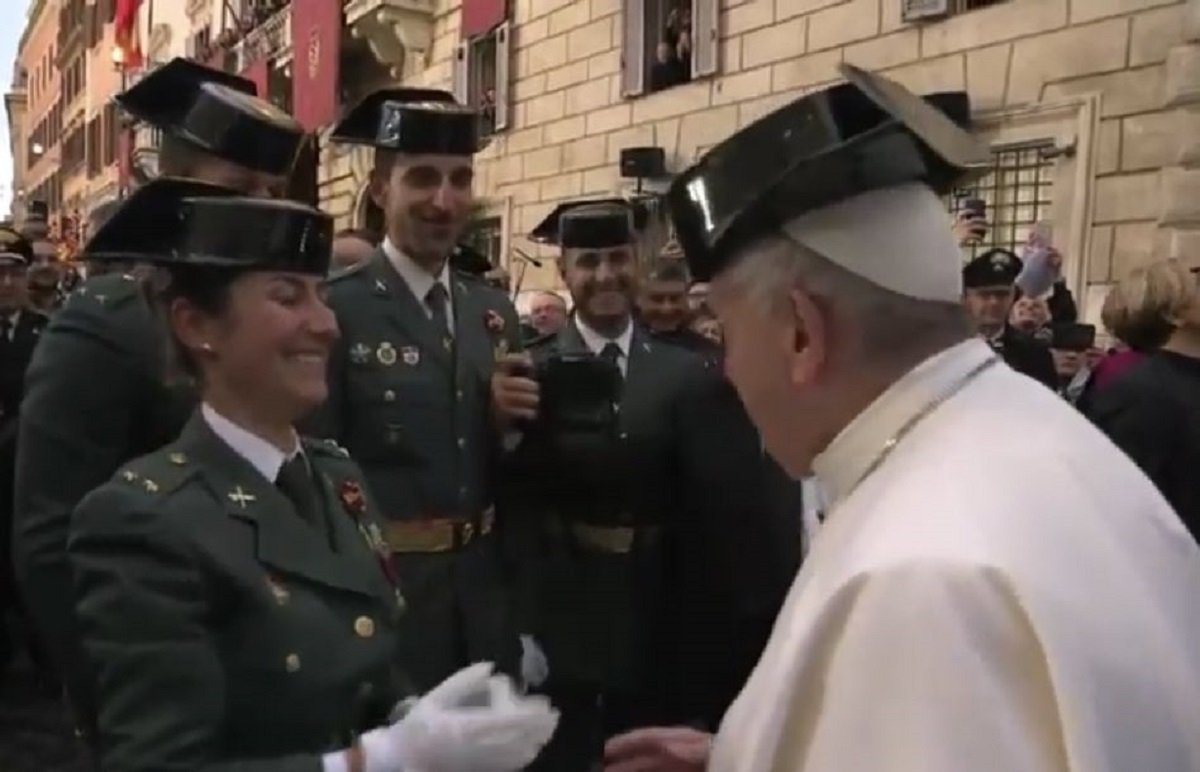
<point>271,40</point>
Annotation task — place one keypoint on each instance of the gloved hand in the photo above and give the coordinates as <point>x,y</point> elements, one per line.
<point>535,668</point>
<point>472,722</point>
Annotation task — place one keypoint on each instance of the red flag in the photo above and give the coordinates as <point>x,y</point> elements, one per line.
<point>257,73</point>
<point>479,16</point>
<point>125,33</point>
<point>316,42</point>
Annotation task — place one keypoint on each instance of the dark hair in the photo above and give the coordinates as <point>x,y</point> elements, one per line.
<point>205,288</point>
<point>667,269</point>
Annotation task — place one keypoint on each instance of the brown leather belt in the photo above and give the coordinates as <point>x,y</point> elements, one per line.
<point>437,534</point>
<point>612,539</point>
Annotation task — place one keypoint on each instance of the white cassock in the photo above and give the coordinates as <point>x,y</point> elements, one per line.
<point>1006,592</point>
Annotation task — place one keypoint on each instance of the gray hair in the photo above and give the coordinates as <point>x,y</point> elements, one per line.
<point>889,327</point>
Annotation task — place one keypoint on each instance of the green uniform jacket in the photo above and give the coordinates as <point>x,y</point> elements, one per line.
<point>416,416</point>
<point>597,613</point>
<point>95,397</point>
<point>688,470</point>
<point>225,632</point>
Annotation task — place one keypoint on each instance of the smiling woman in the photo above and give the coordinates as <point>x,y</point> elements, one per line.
<point>231,566</point>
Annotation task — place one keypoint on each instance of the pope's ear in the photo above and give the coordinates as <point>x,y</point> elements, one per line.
<point>808,334</point>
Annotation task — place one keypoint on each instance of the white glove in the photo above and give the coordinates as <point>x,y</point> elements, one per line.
<point>472,722</point>
<point>535,668</point>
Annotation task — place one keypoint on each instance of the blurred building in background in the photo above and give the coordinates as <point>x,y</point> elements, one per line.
<point>1090,106</point>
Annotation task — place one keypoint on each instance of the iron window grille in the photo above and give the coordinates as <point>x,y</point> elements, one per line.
<point>1018,194</point>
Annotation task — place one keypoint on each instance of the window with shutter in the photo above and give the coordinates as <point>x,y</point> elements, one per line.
<point>633,47</point>
<point>915,10</point>
<point>705,37</point>
<point>503,60</point>
<point>462,85</point>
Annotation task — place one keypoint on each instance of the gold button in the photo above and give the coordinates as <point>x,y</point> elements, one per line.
<point>462,442</point>
<point>178,459</point>
<point>459,394</point>
<point>292,662</point>
<point>389,396</point>
<point>364,627</point>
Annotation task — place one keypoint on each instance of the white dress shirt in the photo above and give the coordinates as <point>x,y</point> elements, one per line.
<point>596,342</point>
<point>262,455</point>
<point>420,281</point>
<point>1005,591</point>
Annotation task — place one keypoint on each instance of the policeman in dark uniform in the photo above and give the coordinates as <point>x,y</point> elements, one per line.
<point>635,560</point>
<point>20,328</point>
<point>410,393</point>
<point>96,394</point>
<point>989,290</point>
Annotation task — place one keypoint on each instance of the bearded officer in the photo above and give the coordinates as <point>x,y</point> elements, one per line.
<point>989,291</point>
<point>410,394</point>
<point>966,604</point>
<point>96,394</point>
<point>652,553</point>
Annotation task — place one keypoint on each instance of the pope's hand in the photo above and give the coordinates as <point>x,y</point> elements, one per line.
<point>473,721</point>
<point>660,749</point>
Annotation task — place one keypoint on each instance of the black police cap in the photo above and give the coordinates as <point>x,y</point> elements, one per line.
<point>176,222</point>
<point>218,113</point>
<point>867,134</point>
<point>997,267</point>
<point>411,120</point>
<point>1072,336</point>
<point>594,224</point>
<point>15,248</point>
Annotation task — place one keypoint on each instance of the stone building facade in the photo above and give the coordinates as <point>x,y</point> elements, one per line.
<point>35,113</point>
<point>1092,105</point>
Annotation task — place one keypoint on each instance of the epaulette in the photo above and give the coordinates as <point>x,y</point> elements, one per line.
<point>109,290</point>
<point>349,270</point>
<point>159,473</point>
<point>325,447</point>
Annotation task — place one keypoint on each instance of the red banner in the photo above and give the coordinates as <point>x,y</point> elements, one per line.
<point>479,16</point>
<point>257,73</point>
<point>316,46</point>
<point>125,33</point>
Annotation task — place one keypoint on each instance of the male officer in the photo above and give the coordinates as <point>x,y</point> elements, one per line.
<point>642,554</point>
<point>409,392</point>
<point>20,328</point>
<point>96,394</point>
<point>989,290</point>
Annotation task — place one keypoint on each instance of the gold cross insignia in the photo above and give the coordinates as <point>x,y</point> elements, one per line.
<point>129,475</point>
<point>178,459</point>
<point>150,486</point>
<point>380,285</point>
<point>240,497</point>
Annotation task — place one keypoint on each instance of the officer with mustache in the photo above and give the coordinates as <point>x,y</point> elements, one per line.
<point>411,390</point>
<point>639,514</point>
<point>96,392</point>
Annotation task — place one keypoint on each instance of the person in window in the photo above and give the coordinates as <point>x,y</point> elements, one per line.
<point>235,597</point>
<point>1152,410</point>
<point>668,70</point>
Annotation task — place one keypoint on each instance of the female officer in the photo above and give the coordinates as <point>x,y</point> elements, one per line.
<point>232,590</point>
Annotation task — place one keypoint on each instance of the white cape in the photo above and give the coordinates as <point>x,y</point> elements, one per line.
<point>1005,593</point>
